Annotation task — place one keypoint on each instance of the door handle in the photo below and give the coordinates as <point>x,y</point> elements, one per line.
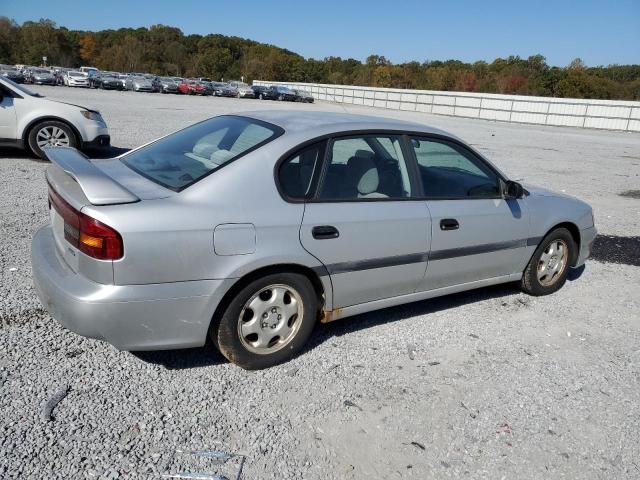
<point>325,232</point>
<point>449,224</point>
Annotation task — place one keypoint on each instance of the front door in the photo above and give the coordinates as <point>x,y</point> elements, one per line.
<point>476,233</point>
<point>364,224</point>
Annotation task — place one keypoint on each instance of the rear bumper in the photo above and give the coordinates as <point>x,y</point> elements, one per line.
<point>130,317</point>
<point>587,237</point>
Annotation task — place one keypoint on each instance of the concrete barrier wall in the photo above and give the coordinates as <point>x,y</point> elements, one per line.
<point>602,114</point>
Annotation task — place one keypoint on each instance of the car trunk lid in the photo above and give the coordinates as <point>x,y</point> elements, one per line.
<point>75,182</point>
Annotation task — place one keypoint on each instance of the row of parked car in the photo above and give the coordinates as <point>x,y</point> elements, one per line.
<point>90,77</point>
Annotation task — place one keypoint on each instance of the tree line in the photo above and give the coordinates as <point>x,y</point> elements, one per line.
<point>166,50</point>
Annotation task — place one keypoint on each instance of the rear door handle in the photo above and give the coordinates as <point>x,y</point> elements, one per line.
<point>449,224</point>
<point>325,232</point>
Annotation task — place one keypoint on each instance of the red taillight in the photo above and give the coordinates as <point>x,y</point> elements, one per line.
<point>86,233</point>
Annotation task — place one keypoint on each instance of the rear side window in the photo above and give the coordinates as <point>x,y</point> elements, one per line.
<point>296,174</point>
<point>184,157</point>
<point>367,167</point>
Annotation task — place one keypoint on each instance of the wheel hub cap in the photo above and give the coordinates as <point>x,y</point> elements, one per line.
<point>553,262</point>
<point>270,319</point>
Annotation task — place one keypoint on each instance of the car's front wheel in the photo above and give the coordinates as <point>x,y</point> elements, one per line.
<point>50,133</point>
<point>548,268</point>
<point>268,321</point>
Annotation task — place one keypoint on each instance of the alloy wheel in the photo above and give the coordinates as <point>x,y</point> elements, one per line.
<point>52,136</point>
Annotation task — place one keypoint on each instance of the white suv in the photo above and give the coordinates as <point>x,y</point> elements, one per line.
<point>28,120</point>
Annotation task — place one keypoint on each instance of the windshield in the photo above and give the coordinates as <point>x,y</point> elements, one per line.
<point>187,156</point>
<point>19,87</point>
<point>76,74</point>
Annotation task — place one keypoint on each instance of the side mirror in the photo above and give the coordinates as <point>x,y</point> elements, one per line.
<point>513,190</point>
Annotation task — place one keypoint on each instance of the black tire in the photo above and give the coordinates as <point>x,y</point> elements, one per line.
<point>531,282</point>
<point>33,133</point>
<point>281,98</point>
<point>225,333</point>
<point>261,97</point>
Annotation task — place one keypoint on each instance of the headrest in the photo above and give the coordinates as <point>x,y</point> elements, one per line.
<point>221,156</point>
<point>364,153</point>
<point>369,182</point>
<point>361,163</point>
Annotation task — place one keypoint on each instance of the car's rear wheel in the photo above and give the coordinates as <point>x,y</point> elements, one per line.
<point>268,321</point>
<point>548,268</point>
<point>50,133</point>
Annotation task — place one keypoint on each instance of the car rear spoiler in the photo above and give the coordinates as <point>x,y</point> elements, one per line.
<point>97,186</point>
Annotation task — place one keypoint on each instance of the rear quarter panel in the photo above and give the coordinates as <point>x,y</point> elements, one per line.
<point>172,239</point>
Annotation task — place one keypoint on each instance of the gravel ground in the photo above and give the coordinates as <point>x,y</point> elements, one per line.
<point>488,384</point>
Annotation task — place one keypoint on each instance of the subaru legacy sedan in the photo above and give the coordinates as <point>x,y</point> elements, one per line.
<point>249,229</point>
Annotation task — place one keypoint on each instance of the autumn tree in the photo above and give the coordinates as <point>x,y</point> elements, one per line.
<point>166,50</point>
<point>87,48</point>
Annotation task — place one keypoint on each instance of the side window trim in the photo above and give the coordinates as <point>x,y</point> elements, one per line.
<point>451,141</point>
<point>312,191</point>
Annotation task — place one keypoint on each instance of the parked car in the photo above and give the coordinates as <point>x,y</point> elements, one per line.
<point>192,87</point>
<point>108,82</point>
<point>281,219</point>
<point>303,96</point>
<point>221,89</point>
<point>75,79</point>
<point>168,85</point>
<point>30,121</point>
<point>260,91</point>
<point>284,94</point>
<point>243,90</point>
<point>40,76</point>
<point>12,74</point>
<point>89,70</point>
<point>138,84</point>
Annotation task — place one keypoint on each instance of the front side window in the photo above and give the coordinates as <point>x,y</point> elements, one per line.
<point>448,170</point>
<point>185,157</point>
<point>366,167</point>
<point>296,174</point>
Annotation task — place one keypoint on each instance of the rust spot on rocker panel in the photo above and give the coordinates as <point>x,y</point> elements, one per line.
<point>328,316</point>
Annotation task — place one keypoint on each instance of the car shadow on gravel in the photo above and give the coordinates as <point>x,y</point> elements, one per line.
<point>108,152</point>
<point>208,356</point>
<point>402,312</point>
<point>186,358</point>
<point>349,325</point>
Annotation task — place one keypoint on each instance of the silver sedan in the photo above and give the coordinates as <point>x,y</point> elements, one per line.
<point>251,228</point>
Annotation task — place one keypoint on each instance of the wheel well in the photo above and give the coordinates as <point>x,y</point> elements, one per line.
<point>33,123</point>
<point>261,272</point>
<point>575,233</point>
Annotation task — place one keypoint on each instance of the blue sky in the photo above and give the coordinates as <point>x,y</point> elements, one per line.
<point>599,32</point>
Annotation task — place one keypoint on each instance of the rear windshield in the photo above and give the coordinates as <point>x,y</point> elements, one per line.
<point>185,157</point>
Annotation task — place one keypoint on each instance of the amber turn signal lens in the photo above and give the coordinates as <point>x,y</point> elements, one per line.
<point>90,241</point>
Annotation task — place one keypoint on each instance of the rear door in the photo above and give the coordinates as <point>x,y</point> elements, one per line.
<point>477,234</point>
<point>365,223</point>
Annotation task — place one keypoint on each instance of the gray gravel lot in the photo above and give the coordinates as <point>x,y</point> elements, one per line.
<point>488,384</point>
